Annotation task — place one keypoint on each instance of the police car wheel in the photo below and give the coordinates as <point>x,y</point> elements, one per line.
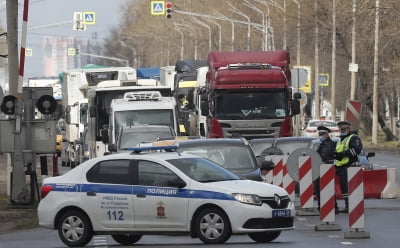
<point>213,226</point>
<point>75,229</point>
<point>126,239</point>
<point>264,237</point>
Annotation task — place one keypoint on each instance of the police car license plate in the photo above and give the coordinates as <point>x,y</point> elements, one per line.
<point>281,213</point>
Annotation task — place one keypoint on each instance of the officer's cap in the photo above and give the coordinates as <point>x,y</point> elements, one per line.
<point>343,124</point>
<point>323,129</point>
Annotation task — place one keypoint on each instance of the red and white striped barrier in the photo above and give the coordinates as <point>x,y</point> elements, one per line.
<point>278,171</point>
<point>391,189</point>
<point>356,203</point>
<point>269,175</point>
<point>23,45</point>
<point>305,182</point>
<point>327,193</point>
<point>288,182</point>
<point>378,184</point>
<point>327,199</point>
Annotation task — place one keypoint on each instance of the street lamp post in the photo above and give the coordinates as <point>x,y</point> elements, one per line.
<point>233,28</point>
<point>209,31</point>
<point>298,32</point>
<point>237,11</point>
<point>265,26</point>
<point>220,33</point>
<point>134,52</point>
<point>192,33</point>
<point>181,34</point>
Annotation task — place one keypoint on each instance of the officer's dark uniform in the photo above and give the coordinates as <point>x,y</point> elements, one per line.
<point>327,152</point>
<point>347,150</point>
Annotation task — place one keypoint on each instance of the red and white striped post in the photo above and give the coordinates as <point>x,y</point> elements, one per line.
<point>356,203</point>
<point>305,182</point>
<point>327,199</point>
<point>23,45</point>
<point>278,171</point>
<point>288,182</point>
<point>269,175</point>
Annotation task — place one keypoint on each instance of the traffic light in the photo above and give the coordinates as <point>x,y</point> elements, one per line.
<point>168,9</point>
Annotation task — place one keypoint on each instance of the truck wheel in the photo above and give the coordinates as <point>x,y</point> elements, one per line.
<point>264,237</point>
<point>75,229</point>
<point>126,239</point>
<point>212,226</point>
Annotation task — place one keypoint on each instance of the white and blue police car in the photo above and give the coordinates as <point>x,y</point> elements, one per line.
<point>131,195</point>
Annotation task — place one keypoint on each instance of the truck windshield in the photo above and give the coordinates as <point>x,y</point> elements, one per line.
<point>144,117</point>
<point>251,105</point>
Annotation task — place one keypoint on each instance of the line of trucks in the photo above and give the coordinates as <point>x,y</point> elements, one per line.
<point>230,94</point>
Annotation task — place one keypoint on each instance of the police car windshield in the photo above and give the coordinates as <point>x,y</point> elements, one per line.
<point>203,170</point>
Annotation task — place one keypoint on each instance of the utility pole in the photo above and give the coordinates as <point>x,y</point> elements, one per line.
<point>353,54</point>
<point>316,71</point>
<point>333,78</point>
<point>375,84</point>
<point>19,188</point>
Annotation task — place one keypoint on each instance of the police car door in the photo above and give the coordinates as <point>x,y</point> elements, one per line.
<point>156,205</point>
<point>107,196</point>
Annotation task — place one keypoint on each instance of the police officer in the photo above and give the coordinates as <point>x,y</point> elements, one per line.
<point>327,152</point>
<point>346,153</point>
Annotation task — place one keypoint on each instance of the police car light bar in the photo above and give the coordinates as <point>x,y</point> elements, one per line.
<point>142,95</point>
<point>151,148</point>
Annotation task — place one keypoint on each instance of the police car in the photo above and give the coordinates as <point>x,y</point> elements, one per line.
<point>130,195</point>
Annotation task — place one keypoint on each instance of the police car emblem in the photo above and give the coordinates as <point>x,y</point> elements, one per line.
<point>277,200</point>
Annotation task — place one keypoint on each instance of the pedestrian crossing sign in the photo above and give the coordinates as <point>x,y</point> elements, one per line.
<point>89,18</point>
<point>157,7</point>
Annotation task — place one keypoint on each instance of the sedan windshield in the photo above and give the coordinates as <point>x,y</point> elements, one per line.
<point>203,170</point>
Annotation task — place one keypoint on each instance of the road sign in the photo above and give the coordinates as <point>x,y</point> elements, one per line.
<point>89,18</point>
<point>323,79</point>
<point>306,88</point>
<point>28,52</point>
<point>353,114</point>
<point>157,7</point>
<point>71,51</point>
<point>299,77</point>
<point>353,67</point>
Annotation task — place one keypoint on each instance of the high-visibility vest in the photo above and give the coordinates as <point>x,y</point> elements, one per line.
<point>343,146</point>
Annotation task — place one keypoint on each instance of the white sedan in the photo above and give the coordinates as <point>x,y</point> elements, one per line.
<point>130,195</point>
<point>311,128</point>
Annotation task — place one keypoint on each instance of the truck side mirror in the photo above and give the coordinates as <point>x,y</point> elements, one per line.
<point>92,111</point>
<point>68,118</point>
<point>294,107</point>
<point>112,148</point>
<point>204,108</point>
<point>104,136</point>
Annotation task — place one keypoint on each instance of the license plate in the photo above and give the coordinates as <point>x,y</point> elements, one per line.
<point>281,213</point>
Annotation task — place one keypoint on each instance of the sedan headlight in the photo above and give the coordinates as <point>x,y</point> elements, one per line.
<point>247,199</point>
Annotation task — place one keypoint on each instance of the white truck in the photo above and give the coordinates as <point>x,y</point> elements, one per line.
<point>75,84</point>
<point>114,104</point>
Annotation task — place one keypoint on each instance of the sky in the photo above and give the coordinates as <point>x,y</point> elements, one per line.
<point>57,13</point>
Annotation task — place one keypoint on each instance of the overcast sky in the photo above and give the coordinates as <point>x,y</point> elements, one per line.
<point>49,12</point>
